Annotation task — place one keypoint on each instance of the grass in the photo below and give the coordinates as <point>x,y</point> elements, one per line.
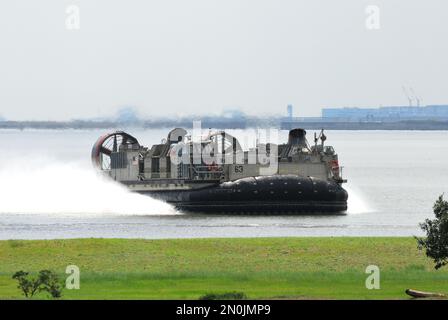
<point>293,268</point>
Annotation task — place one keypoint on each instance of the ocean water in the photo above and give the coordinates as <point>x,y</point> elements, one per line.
<point>48,189</point>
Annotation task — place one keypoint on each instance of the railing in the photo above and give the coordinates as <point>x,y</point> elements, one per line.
<point>207,172</point>
<point>200,172</point>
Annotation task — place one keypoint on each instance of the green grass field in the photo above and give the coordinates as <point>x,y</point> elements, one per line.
<point>292,268</point>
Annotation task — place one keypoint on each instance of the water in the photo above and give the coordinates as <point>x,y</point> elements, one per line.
<point>49,190</point>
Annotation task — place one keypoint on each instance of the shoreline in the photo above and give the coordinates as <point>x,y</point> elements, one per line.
<point>400,125</point>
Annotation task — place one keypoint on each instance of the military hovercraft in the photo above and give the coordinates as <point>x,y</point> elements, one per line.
<point>215,175</point>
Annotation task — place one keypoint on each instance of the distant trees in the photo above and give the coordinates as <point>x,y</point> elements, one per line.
<point>436,241</point>
<point>46,280</point>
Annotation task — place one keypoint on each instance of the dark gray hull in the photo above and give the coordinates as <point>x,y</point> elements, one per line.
<point>279,194</point>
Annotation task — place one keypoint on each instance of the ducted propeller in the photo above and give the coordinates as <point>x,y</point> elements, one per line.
<point>106,145</point>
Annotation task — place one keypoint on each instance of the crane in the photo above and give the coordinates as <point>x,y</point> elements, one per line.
<point>415,97</point>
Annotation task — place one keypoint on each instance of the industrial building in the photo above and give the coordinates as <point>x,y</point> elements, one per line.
<point>392,113</point>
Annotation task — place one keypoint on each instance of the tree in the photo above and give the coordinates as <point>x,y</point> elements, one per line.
<point>28,285</point>
<point>436,241</point>
<point>50,283</point>
<point>46,281</point>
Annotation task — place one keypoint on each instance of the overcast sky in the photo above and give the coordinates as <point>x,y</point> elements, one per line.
<point>171,57</point>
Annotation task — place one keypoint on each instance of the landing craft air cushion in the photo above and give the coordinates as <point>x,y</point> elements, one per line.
<point>215,175</point>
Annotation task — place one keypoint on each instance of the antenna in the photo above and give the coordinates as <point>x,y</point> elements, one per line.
<point>323,137</point>
<point>407,96</point>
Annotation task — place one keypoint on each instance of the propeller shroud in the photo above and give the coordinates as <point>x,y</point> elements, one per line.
<point>108,143</point>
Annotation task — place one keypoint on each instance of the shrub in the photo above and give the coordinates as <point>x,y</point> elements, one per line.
<point>29,286</point>
<point>46,281</point>
<point>50,283</point>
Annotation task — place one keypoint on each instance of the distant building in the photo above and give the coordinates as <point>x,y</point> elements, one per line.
<point>393,113</point>
<point>127,115</point>
<point>289,111</point>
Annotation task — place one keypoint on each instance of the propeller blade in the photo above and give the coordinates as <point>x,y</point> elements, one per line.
<point>106,151</point>
<point>115,144</point>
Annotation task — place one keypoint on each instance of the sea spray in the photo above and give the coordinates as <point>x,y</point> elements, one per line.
<point>50,186</point>
<point>356,201</point>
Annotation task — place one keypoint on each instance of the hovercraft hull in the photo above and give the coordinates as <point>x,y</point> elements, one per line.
<point>278,194</point>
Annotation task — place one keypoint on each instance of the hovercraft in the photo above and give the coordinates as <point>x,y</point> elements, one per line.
<point>215,175</point>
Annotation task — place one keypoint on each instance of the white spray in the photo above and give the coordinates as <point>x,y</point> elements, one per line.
<point>48,186</point>
<point>356,201</point>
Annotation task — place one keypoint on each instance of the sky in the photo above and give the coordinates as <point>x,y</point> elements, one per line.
<point>180,57</point>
